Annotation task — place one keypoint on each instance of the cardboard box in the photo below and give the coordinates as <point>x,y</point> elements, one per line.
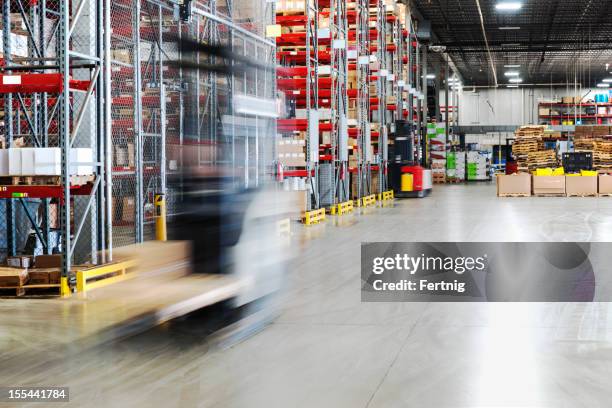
<point>601,130</point>
<point>121,156</point>
<point>291,145</point>
<point>79,157</point>
<point>124,155</point>
<point>54,215</point>
<point>44,276</point>
<point>19,261</point>
<point>13,276</point>
<point>292,159</point>
<point>514,184</point>
<point>605,184</point>
<point>580,186</point>
<point>122,55</point>
<point>14,161</point>
<point>152,255</point>
<point>128,211</point>
<point>584,130</point>
<point>48,161</point>
<point>4,162</point>
<point>544,112</point>
<point>548,185</point>
<point>38,277</point>
<point>48,261</point>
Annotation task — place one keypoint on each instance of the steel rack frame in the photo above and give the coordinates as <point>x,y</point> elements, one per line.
<point>364,137</point>
<point>338,24</point>
<point>59,91</point>
<point>382,87</point>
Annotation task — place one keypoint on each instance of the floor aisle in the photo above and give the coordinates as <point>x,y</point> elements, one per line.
<point>327,349</point>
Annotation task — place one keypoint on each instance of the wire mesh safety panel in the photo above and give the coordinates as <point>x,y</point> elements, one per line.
<point>51,68</point>
<point>157,110</point>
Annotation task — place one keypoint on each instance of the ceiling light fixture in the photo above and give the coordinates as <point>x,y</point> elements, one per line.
<point>510,28</point>
<point>512,66</point>
<point>603,85</point>
<point>513,86</point>
<point>607,80</point>
<point>431,76</point>
<point>515,80</point>
<point>512,73</point>
<point>509,6</point>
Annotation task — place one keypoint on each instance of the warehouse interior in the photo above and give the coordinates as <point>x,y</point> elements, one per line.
<point>189,188</point>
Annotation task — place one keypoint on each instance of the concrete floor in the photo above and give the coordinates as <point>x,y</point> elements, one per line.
<point>327,349</point>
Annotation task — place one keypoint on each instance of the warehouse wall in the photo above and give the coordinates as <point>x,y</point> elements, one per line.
<point>508,107</point>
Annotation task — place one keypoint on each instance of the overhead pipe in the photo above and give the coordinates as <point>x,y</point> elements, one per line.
<point>484,33</point>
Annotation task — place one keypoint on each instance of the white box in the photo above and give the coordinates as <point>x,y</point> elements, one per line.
<point>14,159</point>
<point>48,161</point>
<point>325,114</point>
<point>28,168</point>
<point>4,162</point>
<point>78,159</point>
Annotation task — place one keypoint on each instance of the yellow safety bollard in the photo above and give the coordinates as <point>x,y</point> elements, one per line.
<point>160,217</point>
<point>64,287</point>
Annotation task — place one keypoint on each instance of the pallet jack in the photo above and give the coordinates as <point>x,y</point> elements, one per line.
<point>407,177</point>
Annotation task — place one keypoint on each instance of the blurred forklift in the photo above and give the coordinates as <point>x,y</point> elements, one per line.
<point>408,178</point>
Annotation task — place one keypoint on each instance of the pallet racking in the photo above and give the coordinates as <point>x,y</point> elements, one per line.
<point>99,74</point>
<point>363,61</point>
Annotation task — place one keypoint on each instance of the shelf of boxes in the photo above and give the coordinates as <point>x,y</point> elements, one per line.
<point>456,166</point>
<point>477,166</point>
<point>436,135</point>
<point>380,61</point>
<point>295,71</point>
<point>575,111</point>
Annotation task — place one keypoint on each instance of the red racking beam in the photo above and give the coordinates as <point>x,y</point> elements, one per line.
<point>292,71</point>
<point>292,21</point>
<point>352,34</point>
<point>291,125</point>
<point>301,94</point>
<point>300,83</point>
<point>288,39</point>
<point>34,83</point>
<point>300,56</point>
<point>297,173</point>
<point>390,47</point>
<point>13,191</point>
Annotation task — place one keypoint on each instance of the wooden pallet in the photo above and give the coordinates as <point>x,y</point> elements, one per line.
<point>582,195</point>
<point>509,195</point>
<point>27,291</point>
<point>549,195</point>
<point>44,180</point>
<point>604,195</point>
<point>296,12</point>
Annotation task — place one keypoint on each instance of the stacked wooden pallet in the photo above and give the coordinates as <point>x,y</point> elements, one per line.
<point>542,159</point>
<point>584,144</point>
<point>602,155</point>
<point>527,141</point>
